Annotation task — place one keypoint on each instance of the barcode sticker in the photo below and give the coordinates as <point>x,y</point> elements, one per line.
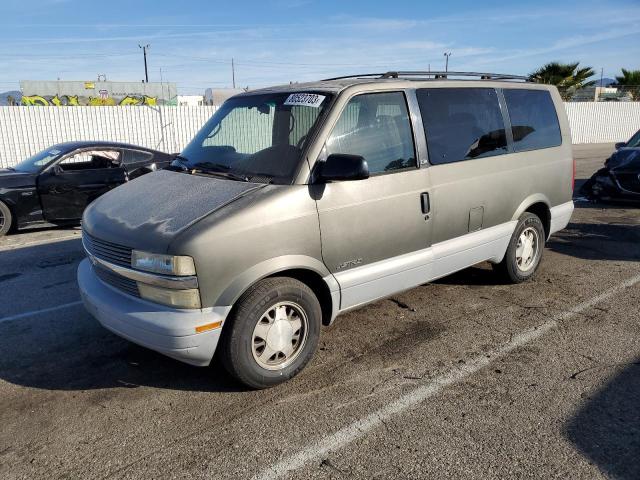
<point>305,99</point>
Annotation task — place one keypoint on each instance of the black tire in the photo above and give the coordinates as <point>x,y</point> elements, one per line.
<point>237,349</point>
<point>6,219</point>
<point>509,267</point>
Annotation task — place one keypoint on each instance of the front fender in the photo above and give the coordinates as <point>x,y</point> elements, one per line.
<point>271,267</point>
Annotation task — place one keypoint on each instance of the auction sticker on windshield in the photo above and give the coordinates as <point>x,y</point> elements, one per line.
<point>305,99</point>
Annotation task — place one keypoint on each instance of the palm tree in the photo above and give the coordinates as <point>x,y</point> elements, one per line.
<point>630,78</point>
<point>566,76</point>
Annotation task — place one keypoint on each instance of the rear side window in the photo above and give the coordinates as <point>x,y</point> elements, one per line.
<point>534,121</point>
<point>135,156</point>
<point>462,123</point>
<point>377,127</point>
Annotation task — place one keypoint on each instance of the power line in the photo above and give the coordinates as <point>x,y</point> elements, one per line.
<point>67,56</point>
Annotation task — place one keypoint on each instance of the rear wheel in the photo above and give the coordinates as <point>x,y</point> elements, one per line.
<point>272,332</point>
<point>524,251</point>
<point>6,219</point>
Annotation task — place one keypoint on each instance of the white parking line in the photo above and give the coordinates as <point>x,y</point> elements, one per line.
<point>38,312</point>
<point>359,428</point>
<point>38,242</point>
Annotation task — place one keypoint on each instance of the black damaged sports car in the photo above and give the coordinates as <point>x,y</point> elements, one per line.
<point>55,185</point>
<point>620,177</point>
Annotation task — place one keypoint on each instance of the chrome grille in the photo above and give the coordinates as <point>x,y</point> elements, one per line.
<point>107,251</point>
<point>117,281</point>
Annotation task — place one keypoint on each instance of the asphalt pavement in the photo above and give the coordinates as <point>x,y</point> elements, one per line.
<point>466,377</point>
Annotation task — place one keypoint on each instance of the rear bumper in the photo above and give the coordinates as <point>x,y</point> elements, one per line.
<point>166,330</point>
<point>560,216</point>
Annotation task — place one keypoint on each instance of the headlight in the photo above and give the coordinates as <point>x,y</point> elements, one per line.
<point>173,298</point>
<point>164,264</point>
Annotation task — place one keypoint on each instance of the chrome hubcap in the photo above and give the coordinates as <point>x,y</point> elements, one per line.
<point>279,335</point>
<point>1,219</point>
<point>527,249</point>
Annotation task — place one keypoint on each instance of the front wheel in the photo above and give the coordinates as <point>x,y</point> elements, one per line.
<point>272,332</point>
<point>6,219</point>
<point>524,251</point>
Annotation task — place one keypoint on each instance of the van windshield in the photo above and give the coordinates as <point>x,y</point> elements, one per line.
<point>256,137</point>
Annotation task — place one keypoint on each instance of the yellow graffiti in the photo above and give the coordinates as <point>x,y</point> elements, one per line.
<point>75,100</point>
<point>144,100</point>
<point>65,100</point>
<point>129,100</point>
<point>39,100</point>
<point>101,102</point>
<point>35,100</point>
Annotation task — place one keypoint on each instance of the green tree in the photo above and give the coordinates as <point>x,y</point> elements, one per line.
<point>630,79</point>
<point>568,77</point>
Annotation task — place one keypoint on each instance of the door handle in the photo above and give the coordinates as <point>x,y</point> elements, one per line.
<point>424,202</point>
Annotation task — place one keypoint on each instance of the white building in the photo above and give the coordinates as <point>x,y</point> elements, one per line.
<point>190,100</point>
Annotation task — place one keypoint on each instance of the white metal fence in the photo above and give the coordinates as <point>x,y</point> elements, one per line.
<point>27,130</point>
<point>603,122</point>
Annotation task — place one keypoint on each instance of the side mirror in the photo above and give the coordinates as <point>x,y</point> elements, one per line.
<point>57,170</point>
<point>340,166</point>
<point>620,145</point>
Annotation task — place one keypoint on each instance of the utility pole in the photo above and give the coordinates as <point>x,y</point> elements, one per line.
<point>233,73</point>
<point>144,53</point>
<point>600,92</point>
<point>446,65</point>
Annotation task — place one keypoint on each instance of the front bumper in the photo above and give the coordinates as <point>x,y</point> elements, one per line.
<point>166,330</point>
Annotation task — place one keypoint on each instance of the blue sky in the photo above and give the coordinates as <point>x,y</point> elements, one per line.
<point>276,41</point>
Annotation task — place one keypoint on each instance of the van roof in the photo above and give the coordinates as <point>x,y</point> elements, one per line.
<point>394,78</point>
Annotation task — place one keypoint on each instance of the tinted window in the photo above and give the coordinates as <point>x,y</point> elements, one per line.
<point>375,126</point>
<point>534,122</point>
<point>461,123</point>
<point>135,156</point>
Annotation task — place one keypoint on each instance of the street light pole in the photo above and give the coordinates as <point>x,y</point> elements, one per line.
<point>233,73</point>
<point>144,53</point>
<point>446,65</point>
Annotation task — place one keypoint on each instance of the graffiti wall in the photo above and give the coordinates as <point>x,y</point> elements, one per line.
<point>76,100</point>
<point>69,94</point>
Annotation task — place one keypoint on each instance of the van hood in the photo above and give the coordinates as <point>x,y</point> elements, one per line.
<point>148,213</point>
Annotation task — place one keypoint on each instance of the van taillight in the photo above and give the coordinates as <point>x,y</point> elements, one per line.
<point>573,176</point>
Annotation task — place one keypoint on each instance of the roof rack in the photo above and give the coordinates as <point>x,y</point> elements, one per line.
<point>435,75</point>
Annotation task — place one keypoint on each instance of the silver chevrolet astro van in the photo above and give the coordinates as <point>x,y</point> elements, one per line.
<point>296,203</point>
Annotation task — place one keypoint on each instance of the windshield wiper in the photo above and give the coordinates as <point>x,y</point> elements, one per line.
<point>217,169</point>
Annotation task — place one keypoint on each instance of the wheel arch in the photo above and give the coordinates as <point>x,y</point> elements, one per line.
<point>12,210</point>
<point>539,205</point>
<point>307,270</point>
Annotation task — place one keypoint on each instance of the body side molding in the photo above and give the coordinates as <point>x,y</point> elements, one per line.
<point>367,283</point>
